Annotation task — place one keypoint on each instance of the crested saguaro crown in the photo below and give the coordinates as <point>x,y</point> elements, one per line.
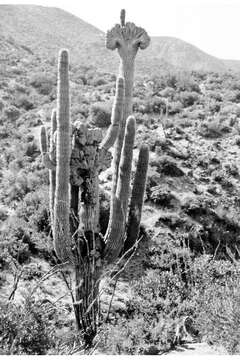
<point>127,38</point>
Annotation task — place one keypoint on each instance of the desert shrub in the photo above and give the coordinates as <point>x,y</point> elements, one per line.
<point>167,165</point>
<point>14,244</point>
<point>26,329</point>
<point>232,96</point>
<point>99,81</point>
<point>80,111</point>
<point>215,95</point>
<point>175,107</point>
<point>151,138</point>
<point>12,113</point>
<point>100,115</point>
<point>138,337</point>
<point>43,83</point>
<point>21,88</point>
<point>187,98</point>
<point>213,127</point>
<point>153,104</point>
<point>160,298</point>
<point>175,285</point>
<point>197,114</point>
<point>218,308</point>
<point>162,196</point>
<point>168,92</point>
<point>23,101</point>
<point>235,84</point>
<point>34,210</point>
<point>186,82</point>
<point>231,109</point>
<point>139,106</point>
<point>16,186</point>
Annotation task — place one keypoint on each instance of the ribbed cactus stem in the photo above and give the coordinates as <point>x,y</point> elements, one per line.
<point>52,172</point>
<point>62,239</point>
<point>116,117</point>
<point>44,149</point>
<point>43,140</point>
<point>115,233</point>
<point>127,72</point>
<point>137,198</point>
<point>122,17</point>
<point>125,167</point>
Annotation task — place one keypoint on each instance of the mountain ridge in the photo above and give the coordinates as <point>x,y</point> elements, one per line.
<point>44,30</point>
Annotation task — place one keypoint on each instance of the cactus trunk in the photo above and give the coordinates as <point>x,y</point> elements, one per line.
<point>62,240</point>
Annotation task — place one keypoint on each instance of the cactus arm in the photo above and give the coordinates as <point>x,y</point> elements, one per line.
<point>62,240</point>
<point>114,237</point>
<point>137,198</point>
<point>52,172</point>
<point>125,167</point>
<point>116,118</point>
<point>47,162</point>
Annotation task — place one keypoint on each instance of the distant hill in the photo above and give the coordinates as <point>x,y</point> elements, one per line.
<point>44,30</point>
<point>183,55</point>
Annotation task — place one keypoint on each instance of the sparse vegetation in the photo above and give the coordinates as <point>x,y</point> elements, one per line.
<point>187,262</point>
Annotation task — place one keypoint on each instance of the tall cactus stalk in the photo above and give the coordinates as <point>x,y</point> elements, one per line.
<point>75,161</point>
<point>61,227</point>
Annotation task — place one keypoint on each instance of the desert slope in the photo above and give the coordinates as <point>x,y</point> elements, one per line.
<point>44,30</point>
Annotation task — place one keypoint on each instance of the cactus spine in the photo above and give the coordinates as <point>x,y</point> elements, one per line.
<point>75,162</point>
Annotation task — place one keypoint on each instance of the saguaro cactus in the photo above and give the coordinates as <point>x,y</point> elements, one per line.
<point>127,39</point>
<point>77,155</point>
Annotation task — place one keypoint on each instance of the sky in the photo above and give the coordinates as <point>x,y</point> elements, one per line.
<point>211,25</point>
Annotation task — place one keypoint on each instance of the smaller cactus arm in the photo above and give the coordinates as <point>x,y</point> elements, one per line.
<point>116,118</point>
<point>52,138</point>
<point>137,198</point>
<point>48,163</point>
<point>52,172</point>
<point>125,166</point>
<point>114,237</point>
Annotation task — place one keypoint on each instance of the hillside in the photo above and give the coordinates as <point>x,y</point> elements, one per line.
<point>179,287</point>
<point>181,54</point>
<point>45,30</point>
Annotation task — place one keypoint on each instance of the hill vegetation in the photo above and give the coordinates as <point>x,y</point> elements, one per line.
<point>44,30</point>
<point>187,264</point>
